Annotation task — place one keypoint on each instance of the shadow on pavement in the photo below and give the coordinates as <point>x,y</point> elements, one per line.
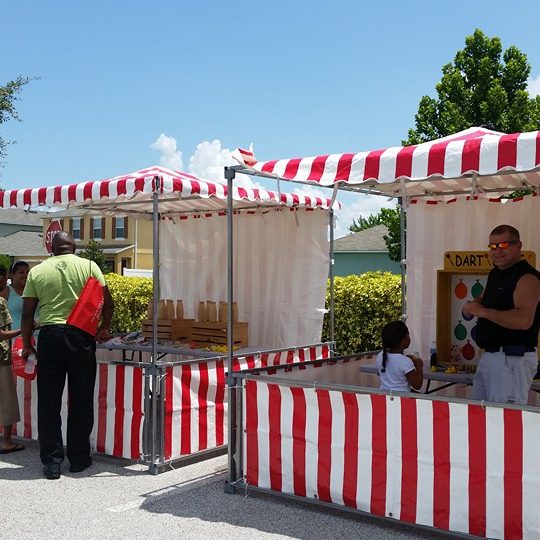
<point>204,499</point>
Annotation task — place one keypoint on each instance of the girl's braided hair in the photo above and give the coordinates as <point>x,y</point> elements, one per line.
<point>392,334</point>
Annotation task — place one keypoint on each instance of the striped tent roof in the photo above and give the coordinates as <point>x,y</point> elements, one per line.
<point>178,192</point>
<point>476,159</point>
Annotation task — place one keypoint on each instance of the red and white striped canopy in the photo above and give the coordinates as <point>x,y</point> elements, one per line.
<point>178,192</point>
<point>477,159</point>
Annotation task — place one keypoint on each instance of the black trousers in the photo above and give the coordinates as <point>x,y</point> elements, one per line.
<point>65,350</point>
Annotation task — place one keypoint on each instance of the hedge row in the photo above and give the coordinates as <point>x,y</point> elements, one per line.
<point>131,296</point>
<point>362,305</point>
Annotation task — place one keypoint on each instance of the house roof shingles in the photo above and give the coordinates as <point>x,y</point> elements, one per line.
<point>368,240</point>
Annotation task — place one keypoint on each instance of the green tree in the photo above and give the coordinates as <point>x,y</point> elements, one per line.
<point>483,86</point>
<point>390,218</point>
<point>9,93</point>
<point>94,252</point>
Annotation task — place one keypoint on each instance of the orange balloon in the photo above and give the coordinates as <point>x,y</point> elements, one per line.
<point>461,290</point>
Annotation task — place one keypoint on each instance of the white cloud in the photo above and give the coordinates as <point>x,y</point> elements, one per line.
<point>171,157</point>
<point>353,208</point>
<point>210,157</point>
<point>533,86</point>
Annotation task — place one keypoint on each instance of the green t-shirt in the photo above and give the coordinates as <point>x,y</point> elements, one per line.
<point>5,322</point>
<point>57,282</point>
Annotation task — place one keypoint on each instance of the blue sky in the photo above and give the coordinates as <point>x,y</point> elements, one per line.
<point>295,78</point>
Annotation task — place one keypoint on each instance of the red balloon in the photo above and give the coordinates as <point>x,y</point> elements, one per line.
<point>468,351</point>
<point>461,290</point>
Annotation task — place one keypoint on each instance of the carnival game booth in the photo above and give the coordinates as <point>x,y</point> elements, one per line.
<point>161,402</point>
<point>442,462</point>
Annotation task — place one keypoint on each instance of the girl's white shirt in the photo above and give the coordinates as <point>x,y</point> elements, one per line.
<point>394,377</point>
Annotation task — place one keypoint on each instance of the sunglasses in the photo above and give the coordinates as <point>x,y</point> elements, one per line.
<point>502,245</point>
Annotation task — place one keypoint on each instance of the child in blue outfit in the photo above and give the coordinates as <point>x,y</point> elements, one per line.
<point>398,372</point>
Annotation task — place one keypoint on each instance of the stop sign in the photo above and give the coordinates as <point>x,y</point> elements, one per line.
<point>52,229</point>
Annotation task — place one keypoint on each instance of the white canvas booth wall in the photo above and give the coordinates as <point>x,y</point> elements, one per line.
<point>281,265</point>
<point>434,227</point>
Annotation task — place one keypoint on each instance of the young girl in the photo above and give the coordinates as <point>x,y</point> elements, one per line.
<point>398,372</point>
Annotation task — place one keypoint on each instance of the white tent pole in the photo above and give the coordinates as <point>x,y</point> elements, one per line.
<point>331,272</point>
<point>234,417</point>
<point>155,302</point>
<point>403,258</point>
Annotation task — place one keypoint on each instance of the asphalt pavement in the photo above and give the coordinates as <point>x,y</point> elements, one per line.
<point>119,499</point>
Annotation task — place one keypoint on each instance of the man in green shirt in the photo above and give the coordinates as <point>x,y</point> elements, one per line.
<point>56,284</point>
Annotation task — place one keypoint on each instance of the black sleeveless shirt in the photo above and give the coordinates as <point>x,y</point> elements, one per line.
<point>499,294</point>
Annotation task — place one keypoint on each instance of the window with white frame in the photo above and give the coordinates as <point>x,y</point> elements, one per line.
<point>97,229</point>
<point>120,227</point>
<point>76,228</point>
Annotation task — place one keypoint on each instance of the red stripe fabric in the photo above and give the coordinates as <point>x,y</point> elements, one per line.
<point>169,389</point>
<point>404,162</point>
<point>136,421</point>
<point>344,167</point>
<point>291,168</point>
<point>470,157</point>
<point>507,156</point>
<point>436,156</point>
<point>220,398</point>
<point>118,448</point>
<point>513,473</point>
<point>203,405</point>
<point>324,462</point>
<point>317,168</point>
<point>350,462</point>
<point>102,407</point>
<point>269,166</point>
<point>477,470</point>
<point>252,441</point>
<point>274,436</point>
<point>299,441</point>
<point>27,409</point>
<point>373,161</point>
<point>409,460</point>
<point>185,414</point>
<point>441,465</point>
<point>378,455</point>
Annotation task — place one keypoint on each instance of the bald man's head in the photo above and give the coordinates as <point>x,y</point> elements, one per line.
<point>63,243</point>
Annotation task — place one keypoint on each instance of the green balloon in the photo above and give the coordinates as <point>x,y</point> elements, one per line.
<point>460,331</point>
<point>477,289</point>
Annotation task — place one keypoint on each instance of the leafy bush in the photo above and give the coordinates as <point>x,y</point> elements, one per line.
<point>6,261</point>
<point>131,296</point>
<point>362,306</point>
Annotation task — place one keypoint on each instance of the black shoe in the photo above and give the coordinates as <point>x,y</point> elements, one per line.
<point>80,467</point>
<point>52,471</point>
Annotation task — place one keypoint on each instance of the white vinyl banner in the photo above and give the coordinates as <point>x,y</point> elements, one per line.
<point>462,225</point>
<point>280,270</point>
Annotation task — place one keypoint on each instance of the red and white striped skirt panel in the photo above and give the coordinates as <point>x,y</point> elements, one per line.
<point>195,408</point>
<point>196,398</point>
<point>278,358</point>
<point>118,411</point>
<point>453,466</point>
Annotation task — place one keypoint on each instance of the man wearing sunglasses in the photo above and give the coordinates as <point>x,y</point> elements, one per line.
<point>508,322</point>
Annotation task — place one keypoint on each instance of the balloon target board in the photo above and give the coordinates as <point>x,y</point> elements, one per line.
<point>462,279</point>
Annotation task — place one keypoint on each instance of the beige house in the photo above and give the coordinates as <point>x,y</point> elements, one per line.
<point>126,242</point>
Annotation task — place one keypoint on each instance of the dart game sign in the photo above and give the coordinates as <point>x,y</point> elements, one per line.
<point>476,261</point>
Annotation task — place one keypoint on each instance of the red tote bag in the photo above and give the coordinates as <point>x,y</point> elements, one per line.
<point>86,312</point>
<point>22,368</point>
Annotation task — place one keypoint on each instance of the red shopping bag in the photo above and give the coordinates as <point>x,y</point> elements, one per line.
<point>86,312</point>
<point>27,369</point>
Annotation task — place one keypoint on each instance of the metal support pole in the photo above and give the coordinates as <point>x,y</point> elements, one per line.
<point>403,261</point>
<point>232,427</point>
<point>155,301</point>
<point>331,272</point>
